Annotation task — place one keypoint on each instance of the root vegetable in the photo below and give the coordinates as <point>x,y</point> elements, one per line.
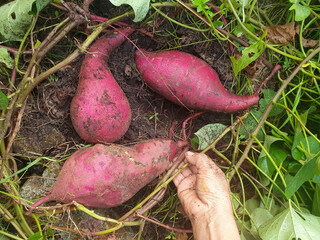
<point>188,81</point>
<point>100,111</point>
<point>106,176</point>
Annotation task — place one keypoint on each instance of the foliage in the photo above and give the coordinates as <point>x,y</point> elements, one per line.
<point>203,7</point>
<point>16,16</point>
<point>206,135</point>
<point>251,122</point>
<point>302,12</point>
<point>3,101</point>
<point>290,224</point>
<point>6,58</point>
<point>248,55</point>
<point>140,7</point>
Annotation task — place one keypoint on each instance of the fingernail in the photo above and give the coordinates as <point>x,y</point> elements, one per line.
<point>189,154</point>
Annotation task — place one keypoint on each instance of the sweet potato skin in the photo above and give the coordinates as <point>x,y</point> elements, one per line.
<point>106,176</point>
<point>100,111</point>
<point>188,81</point>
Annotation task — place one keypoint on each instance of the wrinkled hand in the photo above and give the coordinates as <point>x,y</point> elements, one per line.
<point>202,187</point>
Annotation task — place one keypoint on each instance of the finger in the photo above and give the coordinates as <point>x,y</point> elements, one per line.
<point>186,172</point>
<point>186,185</point>
<point>203,163</point>
<point>193,169</point>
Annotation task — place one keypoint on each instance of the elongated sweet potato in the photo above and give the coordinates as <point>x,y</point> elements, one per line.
<point>188,81</point>
<point>100,111</point>
<point>106,176</point>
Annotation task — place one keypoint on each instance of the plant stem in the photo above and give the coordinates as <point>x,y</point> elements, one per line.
<point>164,225</point>
<point>224,32</point>
<point>9,218</point>
<point>157,189</point>
<point>298,120</point>
<point>11,236</point>
<point>225,131</point>
<point>178,23</point>
<point>257,38</point>
<point>269,107</point>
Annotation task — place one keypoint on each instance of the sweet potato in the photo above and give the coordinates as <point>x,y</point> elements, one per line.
<point>106,176</point>
<point>188,81</point>
<point>100,111</point>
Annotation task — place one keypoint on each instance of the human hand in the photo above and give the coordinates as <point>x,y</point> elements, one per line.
<point>204,194</point>
<point>202,187</point>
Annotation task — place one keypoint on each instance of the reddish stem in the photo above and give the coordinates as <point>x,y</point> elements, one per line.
<point>15,50</point>
<point>95,18</point>
<point>164,225</point>
<point>171,131</point>
<point>274,70</point>
<point>13,79</point>
<point>185,123</point>
<point>223,20</point>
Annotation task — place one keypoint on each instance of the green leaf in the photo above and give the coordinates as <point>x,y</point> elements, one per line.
<point>268,95</point>
<point>268,141</point>
<point>140,7</point>
<point>290,224</point>
<point>195,143</point>
<point>306,172</point>
<point>316,201</point>
<point>278,154</point>
<point>299,139</point>
<point>302,12</point>
<point>16,17</point>
<point>37,44</point>
<point>318,167</point>
<point>259,216</point>
<point>249,54</point>
<point>208,134</point>
<point>252,120</point>
<point>316,179</point>
<point>3,101</point>
<point>313,147</point>
<point>251,204</point>
<point>36,236</point>
<point>243,3</point>
<point>251,123</point>
<point>49,234</point>
<point>248,207</point>
<point>218,24</point>
<point>5,58</point>
<point>239,31</point>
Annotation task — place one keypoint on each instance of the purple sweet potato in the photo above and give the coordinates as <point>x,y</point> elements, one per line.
<point>106,176</point>
<point>100,111</point>
<point>188,81</point>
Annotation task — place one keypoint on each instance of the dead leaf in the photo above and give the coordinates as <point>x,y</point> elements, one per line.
<point>281,34</point>
<point>307,42</point>
<point>284,34</point>
<point>181,236</point>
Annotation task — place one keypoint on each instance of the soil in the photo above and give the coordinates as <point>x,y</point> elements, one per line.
<point>46,128</point>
